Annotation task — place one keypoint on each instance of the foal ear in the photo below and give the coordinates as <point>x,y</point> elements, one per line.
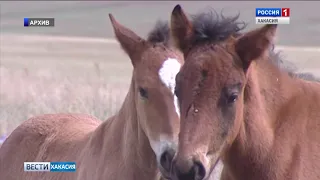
<point>130,42</point>
<point>254,44</point>
<point>181,29</point>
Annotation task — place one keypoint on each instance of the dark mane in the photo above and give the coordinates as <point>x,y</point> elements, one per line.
<point>213,27</point>
<point>290,68</point>
<point>160,33</point>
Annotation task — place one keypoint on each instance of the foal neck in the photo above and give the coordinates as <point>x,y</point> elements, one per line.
<point>267,93</point>
<point>123,144</point>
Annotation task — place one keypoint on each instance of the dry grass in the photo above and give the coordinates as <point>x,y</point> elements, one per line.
<point>39,76</point>
<point>23,96</point>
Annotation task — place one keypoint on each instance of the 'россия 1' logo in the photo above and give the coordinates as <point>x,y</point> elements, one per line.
<point>272,15</point>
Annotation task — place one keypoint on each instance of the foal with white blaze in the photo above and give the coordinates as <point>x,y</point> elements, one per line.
<point>137,143</point>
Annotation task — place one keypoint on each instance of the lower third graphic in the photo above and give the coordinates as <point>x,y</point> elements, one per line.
<point>49,166</point>
<point>39,22</point>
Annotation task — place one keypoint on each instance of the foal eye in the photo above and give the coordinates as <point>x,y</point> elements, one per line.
<point>143,92</point>
<point>232,92</point>
<point>232,98</point>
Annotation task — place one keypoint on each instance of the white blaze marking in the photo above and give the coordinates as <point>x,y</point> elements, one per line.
<point>167,74</point>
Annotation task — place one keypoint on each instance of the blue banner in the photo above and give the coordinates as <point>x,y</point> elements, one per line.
<point>268,12</point>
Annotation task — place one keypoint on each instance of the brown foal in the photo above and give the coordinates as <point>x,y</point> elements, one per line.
<point>239,106</point>
<point>137,143</point>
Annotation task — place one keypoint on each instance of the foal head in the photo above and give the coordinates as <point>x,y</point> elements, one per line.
<point>210,87</point>
<point>155,66</point>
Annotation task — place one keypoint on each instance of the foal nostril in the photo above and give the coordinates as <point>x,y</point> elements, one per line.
<point>196,172</point>
<point>200,171</point>
<point>166,159</point>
